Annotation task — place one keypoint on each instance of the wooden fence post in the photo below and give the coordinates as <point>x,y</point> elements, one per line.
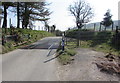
<point>66,40</point>
<point>116,29</point>
<point>112,26</point>
<point>85,26</point>
<point>63,44</point>
<point>94,26</point>
<point>78,34</point>
<point>100,27</point>
<point>78,42</point>
<point>105,28</point>
<point>116,41</point>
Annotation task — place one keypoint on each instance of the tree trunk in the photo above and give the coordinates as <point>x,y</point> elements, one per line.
<point>18,16</point>
<point>79,27</point>
<point>5,17</point>
<point>22,25</point>
<point>48,28</point>
<point>25,17</point>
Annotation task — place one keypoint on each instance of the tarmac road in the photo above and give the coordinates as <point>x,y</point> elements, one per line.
<point>35,62</point>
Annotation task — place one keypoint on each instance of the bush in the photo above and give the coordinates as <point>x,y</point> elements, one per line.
<point>8,47</point>
<point>21,36</point>
<point>116,40</point>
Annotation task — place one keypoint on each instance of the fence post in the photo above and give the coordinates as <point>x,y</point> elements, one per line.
<point>105,28</point>
<point>78,42</point>
<point>100,27</point>
<point>112,26</point>
<point>116,38</point>
<point>85,26</point>
<point>66,40</point>
<point>94,26</point>
<point>116,29</point>
<point>78,37</point>
<point>63,44</point>
<point>3,39</point>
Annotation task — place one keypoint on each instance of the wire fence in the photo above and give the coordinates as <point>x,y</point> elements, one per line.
<point>95,38</point>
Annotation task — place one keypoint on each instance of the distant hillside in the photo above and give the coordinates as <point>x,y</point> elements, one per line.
<point>91,25</point>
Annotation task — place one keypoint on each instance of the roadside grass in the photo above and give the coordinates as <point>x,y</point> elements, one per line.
<point>103,47</point>
<point>106,48</point>
<point>65,57</point>
<point>9,46</point>
<point>104,41</point>
<point>23,38</point>
<point>71,45</point>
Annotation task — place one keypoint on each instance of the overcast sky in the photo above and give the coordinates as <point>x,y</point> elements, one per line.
<point>62,18</point>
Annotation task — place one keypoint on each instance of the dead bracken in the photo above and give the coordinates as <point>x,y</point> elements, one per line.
<point>109,63</point>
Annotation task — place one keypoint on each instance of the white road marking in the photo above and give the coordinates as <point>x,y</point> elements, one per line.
<point>50,46</point>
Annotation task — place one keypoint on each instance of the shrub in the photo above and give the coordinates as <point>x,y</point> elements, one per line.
<point>116,40</point>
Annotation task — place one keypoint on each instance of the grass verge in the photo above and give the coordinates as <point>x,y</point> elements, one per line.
<point>105,41</point>
<point>65,57</point>
<point>103,47</point>
<point>23,39</point>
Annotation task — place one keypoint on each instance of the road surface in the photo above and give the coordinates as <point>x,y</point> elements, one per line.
<point>35,62</point>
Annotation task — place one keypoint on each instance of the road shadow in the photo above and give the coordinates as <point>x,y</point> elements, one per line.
<point>39,46</point>
<point>51,59</point>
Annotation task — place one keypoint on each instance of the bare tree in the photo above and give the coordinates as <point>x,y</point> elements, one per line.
<point>82,12</point>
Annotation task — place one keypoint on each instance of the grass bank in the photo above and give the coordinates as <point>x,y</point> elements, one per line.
<point>105,41</point>
<point>65,57</point>
<point>24,37</point>
<point>103,47</point>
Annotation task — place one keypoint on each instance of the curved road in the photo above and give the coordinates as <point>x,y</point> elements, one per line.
<point>35,62</point>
